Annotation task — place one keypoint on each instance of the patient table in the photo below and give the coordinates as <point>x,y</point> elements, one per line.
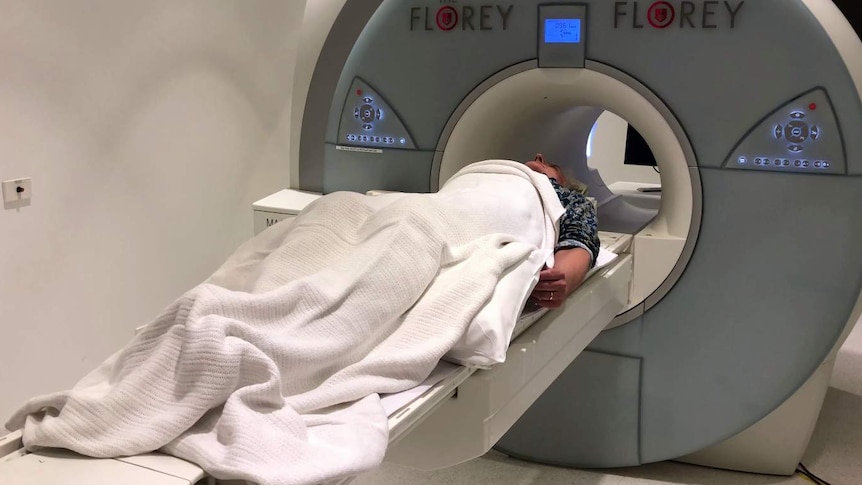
<point>456,415</point>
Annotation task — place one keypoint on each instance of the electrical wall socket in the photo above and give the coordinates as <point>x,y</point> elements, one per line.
<point>17,190</point>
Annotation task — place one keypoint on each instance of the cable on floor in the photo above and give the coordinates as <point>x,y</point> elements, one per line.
<point>806,473</point>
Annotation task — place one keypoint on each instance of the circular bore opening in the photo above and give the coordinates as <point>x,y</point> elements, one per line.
<point>555,112</point>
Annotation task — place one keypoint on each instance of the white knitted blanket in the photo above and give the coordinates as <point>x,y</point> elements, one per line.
<point>269,371</point>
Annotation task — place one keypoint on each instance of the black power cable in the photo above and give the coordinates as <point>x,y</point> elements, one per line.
<point>803,470</point>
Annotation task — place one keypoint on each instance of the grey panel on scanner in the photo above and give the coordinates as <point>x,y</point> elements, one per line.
<point>339,43</point>
<point>721,81</point>
<point>405,60</point>
<point>368,121</point>
<point>801,136</point>
<point>748,308</point>
<point>607,415</point>
<point>399,170</point>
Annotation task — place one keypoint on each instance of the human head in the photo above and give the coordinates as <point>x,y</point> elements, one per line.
<point>538,164</point>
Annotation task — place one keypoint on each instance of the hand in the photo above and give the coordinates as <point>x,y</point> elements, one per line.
<point>551,291</point>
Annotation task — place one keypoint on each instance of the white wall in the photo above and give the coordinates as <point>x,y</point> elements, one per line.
<point>148,127</point>
<point>608,152</point>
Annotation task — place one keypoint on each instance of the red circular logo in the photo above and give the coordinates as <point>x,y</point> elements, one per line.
<point>661,15</point>
<point>447,18</point>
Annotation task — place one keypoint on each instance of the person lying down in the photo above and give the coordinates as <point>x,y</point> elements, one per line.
<point>578,242</point>
<point>270,370</point>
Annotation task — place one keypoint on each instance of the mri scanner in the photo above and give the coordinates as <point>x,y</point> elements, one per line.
<point>711,338</point>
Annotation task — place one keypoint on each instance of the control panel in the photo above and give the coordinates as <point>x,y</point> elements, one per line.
<point>801,136</point>
<point>368,121</point>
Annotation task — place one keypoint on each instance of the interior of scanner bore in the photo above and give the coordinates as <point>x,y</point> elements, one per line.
<point>554,114</point>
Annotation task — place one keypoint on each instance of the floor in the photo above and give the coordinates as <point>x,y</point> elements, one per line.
<point>834,454</point>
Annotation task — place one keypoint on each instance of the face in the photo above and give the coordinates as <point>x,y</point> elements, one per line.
<point>549,169</point>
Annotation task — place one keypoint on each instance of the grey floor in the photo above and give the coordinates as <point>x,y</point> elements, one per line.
<point>834,454</point>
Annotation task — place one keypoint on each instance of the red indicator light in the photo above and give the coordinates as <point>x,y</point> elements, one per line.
<point>359,92</point>
<point>812,106</point>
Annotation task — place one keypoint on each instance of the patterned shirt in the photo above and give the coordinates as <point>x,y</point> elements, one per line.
<point>579,224</point>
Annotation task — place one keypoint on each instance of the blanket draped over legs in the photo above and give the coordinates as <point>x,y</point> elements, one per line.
<point>269,370</point>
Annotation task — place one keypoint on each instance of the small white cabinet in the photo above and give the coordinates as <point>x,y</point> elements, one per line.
<point>279,206</point>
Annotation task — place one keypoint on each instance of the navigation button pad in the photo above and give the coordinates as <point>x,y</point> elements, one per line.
<point>801,136</point>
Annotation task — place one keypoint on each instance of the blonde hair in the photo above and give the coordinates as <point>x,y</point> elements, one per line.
<point>570,182</point>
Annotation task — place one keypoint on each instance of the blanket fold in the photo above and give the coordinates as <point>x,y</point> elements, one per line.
<point>269,371</point>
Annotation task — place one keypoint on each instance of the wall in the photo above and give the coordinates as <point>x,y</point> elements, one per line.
<point>608,151</point>
<point>148,128</point>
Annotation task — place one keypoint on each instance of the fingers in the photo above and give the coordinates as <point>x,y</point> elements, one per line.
<point>553,301</point>
<point>550,291</point>
<point>550,298</point>
<point>551,304</point>
<point>551,275</point>
<point>555,285</point>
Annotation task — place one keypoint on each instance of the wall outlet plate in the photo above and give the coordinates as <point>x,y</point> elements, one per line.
<point>17,190</point>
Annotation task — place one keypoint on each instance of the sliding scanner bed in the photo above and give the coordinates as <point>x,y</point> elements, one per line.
<point>464,415</point>
<point>54,466</point>
<point>458,418</point>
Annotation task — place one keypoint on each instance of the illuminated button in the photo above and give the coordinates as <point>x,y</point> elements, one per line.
<point>785,163</point>
<point>806,164</point>
<point>403,141</point>
<point>826,164</point>
<point>766,161</point>
<point>366,113</point>
<point>356,113</point>
<point>797,163</point>
<point>815,132</point>
<point>795,148</point>
<point>379,114</point>
<point>817,164</point>
<point>351,137</point>
<point>742,160</point>
<point>367,127</point>
<point>777,163</point>
<point>778,131</point>
<point>367,100</point>
<point>797,132</point>
<point>797,115</point>
<point>376,139</point>
<point>758,161</point>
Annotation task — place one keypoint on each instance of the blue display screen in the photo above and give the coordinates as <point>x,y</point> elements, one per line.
<point>562,31</point>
